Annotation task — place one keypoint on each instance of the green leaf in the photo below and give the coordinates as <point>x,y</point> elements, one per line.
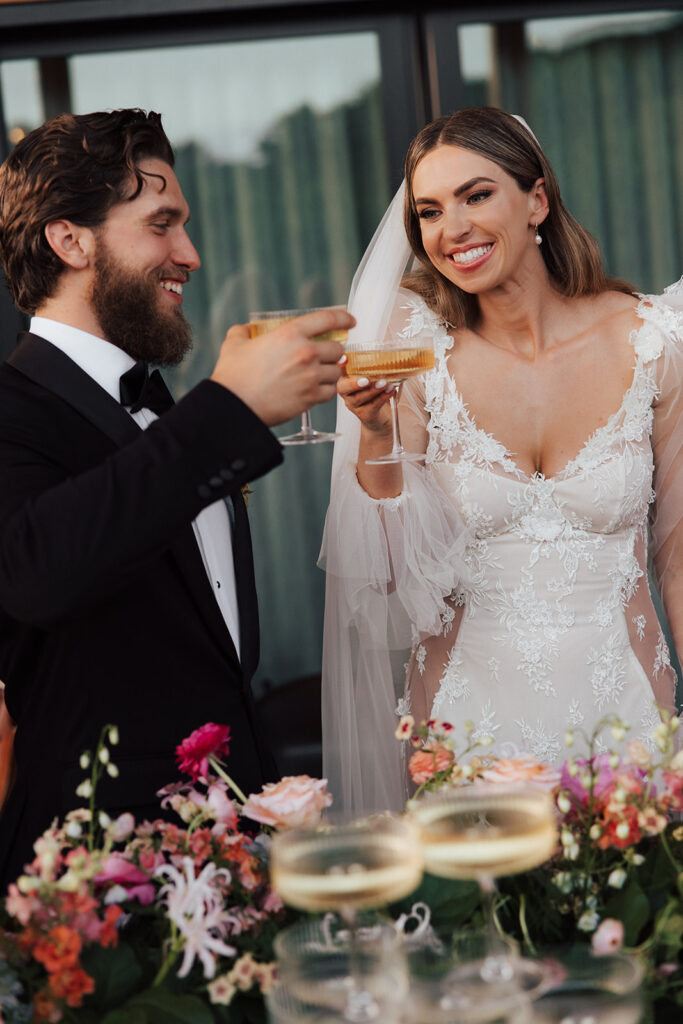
<point>630,906</point>
<point>159,1006</point>
<point>117,975</point>
<point>125,1016</point>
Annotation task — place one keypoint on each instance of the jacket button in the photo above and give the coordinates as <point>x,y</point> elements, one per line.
<point>216,481</point>
<point>204,491</point>
<point>227,474</point>
<point>238,465</point>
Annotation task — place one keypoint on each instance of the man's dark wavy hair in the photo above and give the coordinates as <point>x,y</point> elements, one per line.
<point>74,167</point>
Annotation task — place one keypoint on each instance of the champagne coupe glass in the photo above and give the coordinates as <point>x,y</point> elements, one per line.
<point>481,832</point>
<point>394,360</point>
<point>347,868</point>
<point>264,323</point>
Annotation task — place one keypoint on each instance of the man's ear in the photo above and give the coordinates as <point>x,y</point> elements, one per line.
<point>72,243</point>
<point>538,202</point>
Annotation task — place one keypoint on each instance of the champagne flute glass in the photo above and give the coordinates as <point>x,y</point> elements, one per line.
<point>394,360</point>
<point>264,323</point>
<point>347,868</point>
<point>481,832</point>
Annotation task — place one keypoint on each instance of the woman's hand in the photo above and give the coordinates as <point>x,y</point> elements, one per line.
<point>369,401</point>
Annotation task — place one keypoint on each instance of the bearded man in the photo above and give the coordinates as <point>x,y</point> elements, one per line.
<point>126,579</point>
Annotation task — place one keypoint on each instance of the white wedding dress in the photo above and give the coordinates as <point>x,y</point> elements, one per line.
<point>524,601</point>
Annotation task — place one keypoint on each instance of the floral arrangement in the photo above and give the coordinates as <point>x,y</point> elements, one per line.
<point>122,923</point>
<point>616,879</point>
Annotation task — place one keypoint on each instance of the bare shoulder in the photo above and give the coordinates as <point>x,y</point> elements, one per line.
<point>614,315</point>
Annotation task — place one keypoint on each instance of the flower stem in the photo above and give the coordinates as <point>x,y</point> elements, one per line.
<point>217,767</point>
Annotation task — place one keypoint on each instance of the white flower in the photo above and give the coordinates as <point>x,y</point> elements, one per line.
<point>103,755</point>
<point>617,878</point>
<point>112,770</point>
<point>588,921</point>
<point>84,761</point>
<point>113,735</point>
<point>85,789</point>
<point>564,803</point>
<point>195,905</point>
<point>564,881</point>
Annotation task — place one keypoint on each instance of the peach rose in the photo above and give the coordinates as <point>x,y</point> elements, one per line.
<point>609,937</point>
<point>523,768</point>
<point>294,800</point>
<point>426,763</point>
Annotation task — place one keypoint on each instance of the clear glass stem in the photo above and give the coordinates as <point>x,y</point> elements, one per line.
<point>397,447</point>
<point>496,965</point>
<point>361,1007</point>
<point>306,423</point>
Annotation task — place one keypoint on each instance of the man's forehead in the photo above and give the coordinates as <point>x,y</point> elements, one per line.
<point>160,190</point>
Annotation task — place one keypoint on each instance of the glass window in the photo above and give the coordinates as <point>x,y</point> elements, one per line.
<point>280,151</point>
<point>21,97</point>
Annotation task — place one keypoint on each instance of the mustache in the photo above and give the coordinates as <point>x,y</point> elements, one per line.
<point>183,276</point>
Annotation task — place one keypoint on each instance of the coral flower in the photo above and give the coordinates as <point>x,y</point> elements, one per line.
<point>59,949</point>
<point>193,753</point>
<point>424,764</point>
<point>71,985</point>
<point>523,768</point>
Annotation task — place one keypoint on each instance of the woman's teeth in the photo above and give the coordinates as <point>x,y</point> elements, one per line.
<point>471,254</point>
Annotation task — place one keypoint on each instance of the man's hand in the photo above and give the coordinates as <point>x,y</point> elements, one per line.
<point>280,374</point>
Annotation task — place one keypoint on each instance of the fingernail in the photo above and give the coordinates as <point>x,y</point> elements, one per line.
<point>390,388</point>
<point>362,382</point>
<point>380,384</point>
<point>342,361</point>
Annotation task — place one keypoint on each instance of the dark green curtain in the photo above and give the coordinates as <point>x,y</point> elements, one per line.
<point>284,231</point>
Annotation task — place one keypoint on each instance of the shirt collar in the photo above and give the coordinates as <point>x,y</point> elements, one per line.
<point>98,358</point>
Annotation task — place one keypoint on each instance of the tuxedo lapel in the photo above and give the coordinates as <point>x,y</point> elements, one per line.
<point>50,368</point>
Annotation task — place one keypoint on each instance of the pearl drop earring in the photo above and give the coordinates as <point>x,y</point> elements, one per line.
<point>537,236</point>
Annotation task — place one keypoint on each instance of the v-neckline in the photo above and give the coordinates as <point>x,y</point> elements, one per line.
<point>507,458</point>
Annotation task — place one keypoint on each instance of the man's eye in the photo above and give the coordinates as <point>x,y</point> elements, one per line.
<point>161,225</point>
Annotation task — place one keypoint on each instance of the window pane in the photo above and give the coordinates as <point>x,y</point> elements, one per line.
<point>21,97</point>
<point>280,152</point>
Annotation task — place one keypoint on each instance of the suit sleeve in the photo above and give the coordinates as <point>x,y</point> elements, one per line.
<point>66,541</point>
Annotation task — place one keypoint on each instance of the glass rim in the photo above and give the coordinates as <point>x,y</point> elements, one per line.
<point>290,314</point>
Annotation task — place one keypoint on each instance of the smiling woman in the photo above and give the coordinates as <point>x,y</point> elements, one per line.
<point>513,565</point>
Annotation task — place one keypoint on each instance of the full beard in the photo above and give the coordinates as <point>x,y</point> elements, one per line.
<point>128,308</point>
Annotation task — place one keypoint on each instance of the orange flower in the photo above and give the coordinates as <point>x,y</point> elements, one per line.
<point>71,985</point>
<point>424,764</point>
<point>44,1008</point>
<point>59,949</point>
<point>109,936</point>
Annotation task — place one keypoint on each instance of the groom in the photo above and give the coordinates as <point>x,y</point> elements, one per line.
<point>126,579</point>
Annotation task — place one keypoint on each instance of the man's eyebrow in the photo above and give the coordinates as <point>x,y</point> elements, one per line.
<point>174,212</point>
<point>459,190</point>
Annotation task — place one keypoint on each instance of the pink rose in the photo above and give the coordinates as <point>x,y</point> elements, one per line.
<point>120,871</point>
<point>523,768</point>
<point>193,753</point>
<point>609,937</point>
<point>293,801</point>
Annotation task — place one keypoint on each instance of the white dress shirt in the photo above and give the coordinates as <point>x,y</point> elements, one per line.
<point>105,363</point>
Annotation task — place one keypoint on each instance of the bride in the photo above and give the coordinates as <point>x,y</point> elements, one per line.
<point>504,581</point>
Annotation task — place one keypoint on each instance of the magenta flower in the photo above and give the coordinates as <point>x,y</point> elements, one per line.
<point>193,753</point>
<point>120,871</point>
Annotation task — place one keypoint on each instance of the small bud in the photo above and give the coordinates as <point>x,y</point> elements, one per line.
<point>73,830</point>
<point>104,819</point>
<point>564,803</point>
<point>103,754</point>
<point>84,760</point>
<point>112,770</point>
<point>586,779</point>
<point>573,769</point>
<point>617,878</point>
<point>469,725</point>
<point>622,830</point>
<point>113,735</point>
<point>613,762</point>
<point>85,789</point>
<point>618,732</point>
<point>486,741</point>
<point>569,738</point>
<point>595,831</point>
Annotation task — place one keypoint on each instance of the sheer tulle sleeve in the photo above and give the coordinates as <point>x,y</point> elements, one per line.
<point>390,565</point>
<point>664,317</point>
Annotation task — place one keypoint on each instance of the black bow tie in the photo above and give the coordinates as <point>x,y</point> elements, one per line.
<point>141,389</point>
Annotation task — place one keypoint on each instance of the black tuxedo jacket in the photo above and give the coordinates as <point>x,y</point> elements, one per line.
<point>106,611</point>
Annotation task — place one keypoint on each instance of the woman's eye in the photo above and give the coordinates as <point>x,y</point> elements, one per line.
<point>477,197</point>
<point>427,214</point>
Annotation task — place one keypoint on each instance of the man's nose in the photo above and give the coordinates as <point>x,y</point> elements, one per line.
<point>185,254</point>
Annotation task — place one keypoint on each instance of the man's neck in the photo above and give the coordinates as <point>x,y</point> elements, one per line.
<point>72,312</point>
